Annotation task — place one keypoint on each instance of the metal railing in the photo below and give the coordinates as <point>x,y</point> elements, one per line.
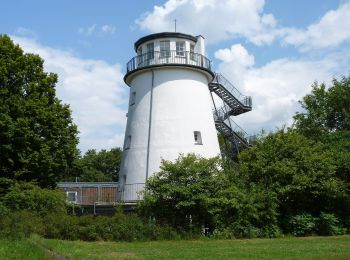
<point>219,115</point>
<point>131,192</point>
<point>168,57</point>
<point>101,193</point>
<point>85,200</point>
<point>220,79</point>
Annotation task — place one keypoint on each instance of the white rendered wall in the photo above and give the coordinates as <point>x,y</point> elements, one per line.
<point>181,104</point>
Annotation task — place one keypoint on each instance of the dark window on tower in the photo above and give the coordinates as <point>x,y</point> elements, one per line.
<point>150,50</point>
<point>197,137</point>
<point>132,98</point>
<point>127,142</point>
<point>139,56</point>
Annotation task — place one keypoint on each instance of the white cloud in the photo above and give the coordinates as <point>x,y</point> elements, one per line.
<point>108,29</point>
<point>87,31</point>
<point>237,54</point>
<point>331,30</point>
<point>277,86</point>
<point>25,32</point>
<point>94,90</point>
<point>216,19</point>
<point>226,19</point>
<point>97,30</point>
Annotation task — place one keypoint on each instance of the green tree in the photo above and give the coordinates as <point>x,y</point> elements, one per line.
<point>194,192</point>
<point>300,171</point>
<point>326,119</point>
<point>325,110</point>
<point>38,138</point>
<point>99,166</point>
<point>180,193</point>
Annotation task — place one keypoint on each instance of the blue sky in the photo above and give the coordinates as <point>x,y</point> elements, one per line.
<point>272,50</point>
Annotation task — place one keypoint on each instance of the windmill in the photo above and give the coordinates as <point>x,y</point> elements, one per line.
<point>170,107</point>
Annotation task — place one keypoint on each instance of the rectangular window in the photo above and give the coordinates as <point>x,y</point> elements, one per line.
<point>139,56</point>
<point>192,55</point>
<point>180,48</point>
<point>164,49</point>
<point>150,50</point>
<point>132,98</point>
<point>127,142</point>
<point>197,137</point>
<point>71,196</point>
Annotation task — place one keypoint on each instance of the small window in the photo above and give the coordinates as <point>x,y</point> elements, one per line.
<point>192,55</point>
<point>127,142</point>
<point>164,49</point>
<point>180,48</point>
<point>150,50</point>
<point>132,98</point>
<point>140,57</point>
<point>197,137</point>
<point>71,196</point>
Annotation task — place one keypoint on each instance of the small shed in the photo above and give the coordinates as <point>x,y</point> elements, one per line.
<point>90,193</point>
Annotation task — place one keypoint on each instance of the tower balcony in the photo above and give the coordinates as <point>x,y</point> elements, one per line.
<point>169,58</point>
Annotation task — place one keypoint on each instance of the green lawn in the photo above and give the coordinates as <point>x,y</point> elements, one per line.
<point>20,249</point>
<point>286,248</point>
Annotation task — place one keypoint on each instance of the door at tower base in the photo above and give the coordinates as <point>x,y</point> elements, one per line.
<point>171,113</point>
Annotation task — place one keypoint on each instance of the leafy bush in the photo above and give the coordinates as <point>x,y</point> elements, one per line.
<point>328,225</point>
<point>61,226</point>
<point>26,196</point>
<point>225,233</point>
<point>183,193</point>
<point>302,225</point>
<point>20,224</point>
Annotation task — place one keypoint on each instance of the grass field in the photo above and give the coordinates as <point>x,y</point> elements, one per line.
<point>283,248</point>
<point>21,249</point>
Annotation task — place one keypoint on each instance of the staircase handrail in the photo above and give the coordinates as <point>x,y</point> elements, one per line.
<point>220,79</point>
<point>219,116</point>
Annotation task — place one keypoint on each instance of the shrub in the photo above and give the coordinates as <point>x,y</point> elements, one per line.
<point>3,210</point>
<point>225,233</point>
<point>328,225</point>
<point>302,225</point>
<point>61,226</point>
<point>26,196</point>
<point>20,224</point>
<point>127,227</point>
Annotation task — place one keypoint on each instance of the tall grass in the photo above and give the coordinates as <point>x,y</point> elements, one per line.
<point>21,249</point>
<point>337,247</point>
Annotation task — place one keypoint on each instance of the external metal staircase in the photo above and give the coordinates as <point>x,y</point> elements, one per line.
<point>234,103</point>
<point>232,132</point>
<point>237,102</point>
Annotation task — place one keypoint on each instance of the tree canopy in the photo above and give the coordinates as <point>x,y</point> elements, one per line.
<point>98,166</point>
<point>294,179</point>
<point>194,193</point>
<point>38,138</point>
<point>325,110</point>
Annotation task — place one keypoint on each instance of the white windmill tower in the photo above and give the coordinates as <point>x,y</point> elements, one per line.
<point>170,107</point>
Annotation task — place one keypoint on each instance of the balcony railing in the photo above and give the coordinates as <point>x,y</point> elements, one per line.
<point>157,58</point>
<point>131,192</point>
